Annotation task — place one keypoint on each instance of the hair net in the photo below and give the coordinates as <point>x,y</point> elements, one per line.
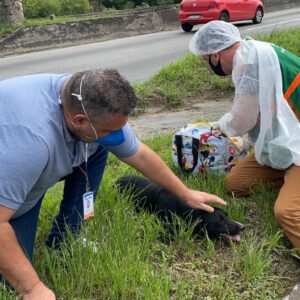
<point>214,37</point>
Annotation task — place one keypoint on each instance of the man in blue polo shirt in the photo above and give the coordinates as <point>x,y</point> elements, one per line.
<point>61,127</point>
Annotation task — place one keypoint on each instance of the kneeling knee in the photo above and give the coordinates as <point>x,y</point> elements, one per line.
<point>281,214</point>
<point>237,186</point>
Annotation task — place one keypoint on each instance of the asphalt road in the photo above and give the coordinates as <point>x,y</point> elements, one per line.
<point>136,57</point>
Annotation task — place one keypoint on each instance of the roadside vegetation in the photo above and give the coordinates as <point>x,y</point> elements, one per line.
<point>44,8</point>
<point>136,259</point>
<point>181,82</point>
<point>44,12</point>
<point>190,78</point>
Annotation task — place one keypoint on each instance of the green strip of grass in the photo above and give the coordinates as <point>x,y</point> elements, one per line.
<point>6,30</point>
<point>289,39</point>
<point>185,79</point>
<point>137,260</point>
<point>190,77</point>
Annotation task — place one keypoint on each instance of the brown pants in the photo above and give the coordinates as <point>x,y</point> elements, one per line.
<point>243,178</point>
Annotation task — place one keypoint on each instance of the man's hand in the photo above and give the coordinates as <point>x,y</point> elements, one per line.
<point>15,266</point>
<point>198,200</point>
<point>40,291</point>
<point>151,165</point>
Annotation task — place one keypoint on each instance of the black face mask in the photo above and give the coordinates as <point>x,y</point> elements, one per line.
<point>218,68</point>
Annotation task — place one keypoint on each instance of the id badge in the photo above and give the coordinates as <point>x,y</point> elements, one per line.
<point>88,205</point>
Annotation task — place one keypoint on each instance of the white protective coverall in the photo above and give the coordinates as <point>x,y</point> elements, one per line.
<point>260,108</point>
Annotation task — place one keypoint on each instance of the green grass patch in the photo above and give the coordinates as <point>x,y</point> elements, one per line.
<point>136,259</point>
<point>6,30</point>
<point>289,39</point>
<point>187,78</point>
<point>190,78</point>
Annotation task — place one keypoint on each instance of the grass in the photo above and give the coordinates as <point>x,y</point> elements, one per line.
<point>181,81</point>
<point>189,77</point>
<point>136,259</point>
<point>289,39</point>
<point>6,30</point>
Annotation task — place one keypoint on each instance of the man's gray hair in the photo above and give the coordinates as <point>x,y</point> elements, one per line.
<point>104,92</point>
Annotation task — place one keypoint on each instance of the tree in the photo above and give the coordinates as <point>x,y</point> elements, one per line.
<point>11,12</point>
<point>96,5</point>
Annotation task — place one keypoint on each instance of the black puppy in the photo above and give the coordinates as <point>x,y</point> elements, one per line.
<point>151,197</point>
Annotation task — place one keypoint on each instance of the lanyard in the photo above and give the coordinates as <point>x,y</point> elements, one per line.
<point>87,184</point>
<point>88,196</point>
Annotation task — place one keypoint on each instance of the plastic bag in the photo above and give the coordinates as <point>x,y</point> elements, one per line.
<point>201,147</point>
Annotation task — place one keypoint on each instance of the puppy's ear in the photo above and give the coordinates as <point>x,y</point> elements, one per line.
<point>221,211</point>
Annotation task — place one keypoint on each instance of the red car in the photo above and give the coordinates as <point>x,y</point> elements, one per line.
<point>192,12</point>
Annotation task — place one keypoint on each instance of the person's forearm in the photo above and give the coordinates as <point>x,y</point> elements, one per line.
<point>227,125</point>
<point>151,165</point>
<point>242,117</point>
<point>14,266</point>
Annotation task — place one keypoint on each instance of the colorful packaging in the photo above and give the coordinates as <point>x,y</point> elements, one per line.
<point>200,147</point>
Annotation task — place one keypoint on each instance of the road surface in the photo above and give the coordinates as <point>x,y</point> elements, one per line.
<point>136,57</point>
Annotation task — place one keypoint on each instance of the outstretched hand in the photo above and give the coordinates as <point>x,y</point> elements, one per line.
<point>40,291</point>
<point>198,200</point>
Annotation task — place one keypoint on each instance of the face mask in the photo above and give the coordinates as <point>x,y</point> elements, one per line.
<point>218,68</point>
<point>114,138</point>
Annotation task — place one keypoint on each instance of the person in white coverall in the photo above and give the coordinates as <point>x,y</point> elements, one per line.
<point>266,105</point>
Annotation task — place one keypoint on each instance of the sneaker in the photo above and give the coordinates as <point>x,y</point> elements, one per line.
<point>88,244</point>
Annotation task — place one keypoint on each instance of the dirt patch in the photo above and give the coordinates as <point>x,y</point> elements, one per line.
<point>158,120</point>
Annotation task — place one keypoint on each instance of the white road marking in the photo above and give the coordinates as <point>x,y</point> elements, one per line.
<point>273,24</point>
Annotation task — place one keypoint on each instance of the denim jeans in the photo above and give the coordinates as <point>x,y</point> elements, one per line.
<point>25,228</point>
<point>70,216</point>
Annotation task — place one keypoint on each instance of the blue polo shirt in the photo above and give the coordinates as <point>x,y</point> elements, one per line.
<point>36,148</point>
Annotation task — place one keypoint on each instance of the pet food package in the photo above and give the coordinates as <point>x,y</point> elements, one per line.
<point>201,147</point>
